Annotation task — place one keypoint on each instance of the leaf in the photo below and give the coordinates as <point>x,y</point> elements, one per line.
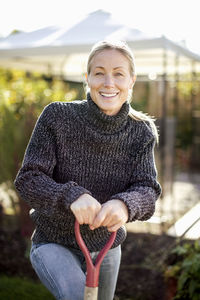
<point>182,281</point>
<point>192,287</point>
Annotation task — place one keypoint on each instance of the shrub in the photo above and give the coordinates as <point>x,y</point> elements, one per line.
<point>22,289</point>
<point>186,270</point>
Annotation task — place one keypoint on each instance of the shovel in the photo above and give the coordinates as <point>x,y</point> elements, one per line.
<point>92,276</point>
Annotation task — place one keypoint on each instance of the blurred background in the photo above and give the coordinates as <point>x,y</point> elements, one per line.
<point>43,54</point>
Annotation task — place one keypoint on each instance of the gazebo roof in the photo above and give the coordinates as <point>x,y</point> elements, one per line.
<point>64,51</point>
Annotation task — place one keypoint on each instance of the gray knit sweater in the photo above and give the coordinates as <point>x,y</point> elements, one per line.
<point>75,148</point>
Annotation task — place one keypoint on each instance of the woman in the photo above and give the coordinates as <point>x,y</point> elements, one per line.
<point>91,160</point>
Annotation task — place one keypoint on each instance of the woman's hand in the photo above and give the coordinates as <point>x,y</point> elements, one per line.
<point>85,209</point>
<point>113,215</point>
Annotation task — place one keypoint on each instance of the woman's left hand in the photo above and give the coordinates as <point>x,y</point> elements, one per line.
<point>113,215</point>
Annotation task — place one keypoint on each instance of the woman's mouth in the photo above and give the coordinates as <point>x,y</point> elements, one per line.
<point>108,95</point>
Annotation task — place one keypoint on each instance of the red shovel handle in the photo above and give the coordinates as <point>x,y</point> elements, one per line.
<point>92,278</point>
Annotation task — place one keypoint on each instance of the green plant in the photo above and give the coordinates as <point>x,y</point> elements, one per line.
<point>22,98</point>
<point>186,270</point>
<point>22,289</point>
<point>16,288</point>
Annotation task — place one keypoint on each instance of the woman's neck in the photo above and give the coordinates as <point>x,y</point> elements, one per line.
<point>101,121</point>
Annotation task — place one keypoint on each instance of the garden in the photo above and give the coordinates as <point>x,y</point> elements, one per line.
<point>154,266</point>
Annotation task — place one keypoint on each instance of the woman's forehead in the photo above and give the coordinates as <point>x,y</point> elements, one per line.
<point>109,57</point>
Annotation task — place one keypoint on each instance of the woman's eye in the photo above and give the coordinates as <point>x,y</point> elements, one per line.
<point>118,74</point>
<point>99,73</point>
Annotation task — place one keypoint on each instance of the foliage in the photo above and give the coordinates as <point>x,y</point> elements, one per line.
<point>22,288</point>
<point>25,289</point>
<point>187,271</point>
<point>22,98</point>
<point>140,103</point>
<point>188,86</point>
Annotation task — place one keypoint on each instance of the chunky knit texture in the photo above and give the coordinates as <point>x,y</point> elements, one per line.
<point>75,148</point>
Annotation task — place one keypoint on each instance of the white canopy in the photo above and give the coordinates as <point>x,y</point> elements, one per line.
<point>62,51</point>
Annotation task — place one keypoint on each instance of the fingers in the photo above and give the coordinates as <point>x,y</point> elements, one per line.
<point>85,209</point>
<point>113,215</point>
<point>100,219</point>
<point>115,227</point>
<point>107,217</point>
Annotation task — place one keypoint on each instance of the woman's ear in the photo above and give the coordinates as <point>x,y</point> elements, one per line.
<point>86,77</point>
<point>133,80</point>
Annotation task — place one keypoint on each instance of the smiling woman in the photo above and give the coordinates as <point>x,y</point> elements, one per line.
<point>109,80</point>
<point>91,160</point>
<point>111,75</point>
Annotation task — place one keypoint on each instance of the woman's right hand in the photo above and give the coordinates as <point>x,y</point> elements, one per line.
<point>85,209</point>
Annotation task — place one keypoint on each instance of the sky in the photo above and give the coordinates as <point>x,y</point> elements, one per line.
<point>176,19</point>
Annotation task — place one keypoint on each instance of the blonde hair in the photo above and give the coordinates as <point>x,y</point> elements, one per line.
<point>124,49</point>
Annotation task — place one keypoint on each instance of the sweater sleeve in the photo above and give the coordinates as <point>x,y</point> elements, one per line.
<point>144,188</point>
<point>34,181</point>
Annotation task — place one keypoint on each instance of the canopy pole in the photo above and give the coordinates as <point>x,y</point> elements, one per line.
<point>194,152</point>
<point>175,116</point>
<point>163,112</point>
<point>163,130</point>
<point>176,93</point>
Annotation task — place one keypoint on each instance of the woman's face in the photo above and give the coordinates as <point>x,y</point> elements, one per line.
<point>110,80</point>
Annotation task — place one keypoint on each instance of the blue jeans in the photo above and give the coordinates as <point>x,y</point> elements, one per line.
<point>62,270</point>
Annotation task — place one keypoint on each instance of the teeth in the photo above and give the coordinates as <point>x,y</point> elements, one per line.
<point>108,95</point>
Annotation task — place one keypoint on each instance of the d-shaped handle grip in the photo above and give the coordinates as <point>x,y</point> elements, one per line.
<point>92,277</point>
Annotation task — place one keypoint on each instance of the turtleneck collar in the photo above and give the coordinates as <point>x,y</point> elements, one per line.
<point>103,122</point>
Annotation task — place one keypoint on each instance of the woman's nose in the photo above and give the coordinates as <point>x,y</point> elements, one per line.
<point>109,82</point>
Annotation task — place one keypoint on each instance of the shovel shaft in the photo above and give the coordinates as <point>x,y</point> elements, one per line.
<point>91,293</point>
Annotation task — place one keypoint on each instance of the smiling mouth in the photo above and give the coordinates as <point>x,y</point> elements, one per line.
<point>110,95</point>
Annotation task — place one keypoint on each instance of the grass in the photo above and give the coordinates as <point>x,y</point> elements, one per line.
<point>15,288</point>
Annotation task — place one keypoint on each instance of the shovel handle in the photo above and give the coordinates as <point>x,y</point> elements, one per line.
<point>92,277</point>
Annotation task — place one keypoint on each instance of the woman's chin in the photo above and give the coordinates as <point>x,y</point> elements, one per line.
<point>110,110</point>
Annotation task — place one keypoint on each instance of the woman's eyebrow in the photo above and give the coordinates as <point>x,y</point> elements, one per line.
<point>100,67</point>
<point>120,67</point>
